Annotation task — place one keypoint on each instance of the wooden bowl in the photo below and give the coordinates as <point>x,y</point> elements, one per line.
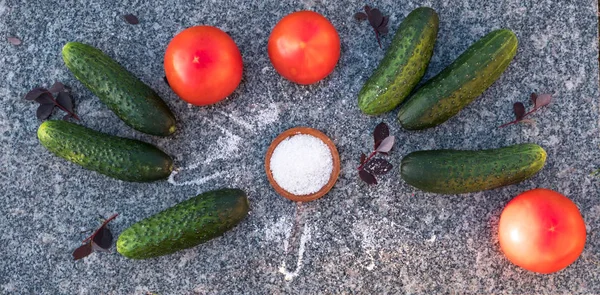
<point>334,154</point>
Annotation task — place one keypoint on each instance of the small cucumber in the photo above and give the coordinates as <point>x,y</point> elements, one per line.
<point>459,171</point>
<point>120,158</point>
<point>184,225</point>
<point>403,65</point>
<point>133,101</point>
<point>460,83</point>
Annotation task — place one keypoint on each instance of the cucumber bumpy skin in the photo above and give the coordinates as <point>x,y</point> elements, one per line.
<point>184,225</point>
<point>460,171</point>
<point>120,158</point>
<point>461,82</point>
<point>403,65</point>
<point>130,99</point>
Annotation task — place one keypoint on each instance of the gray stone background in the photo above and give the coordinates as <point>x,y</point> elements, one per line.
<point>390,238</point>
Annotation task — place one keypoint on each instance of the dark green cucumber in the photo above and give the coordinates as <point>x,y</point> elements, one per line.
<point>459,171</point>
<point>403,65</point>
<point>184,225</point>
<point>121,158</point>
<point>461,82</point>
<point>133,101</point>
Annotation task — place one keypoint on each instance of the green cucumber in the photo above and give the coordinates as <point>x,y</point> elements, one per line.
<point>120,158</point>
<point>133,101</point>
<point>460,171</point>
<point>403,65</point>
<point>184,225</point>
<point>461,82</point>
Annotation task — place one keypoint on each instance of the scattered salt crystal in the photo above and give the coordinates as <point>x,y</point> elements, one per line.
<point>301,164</point>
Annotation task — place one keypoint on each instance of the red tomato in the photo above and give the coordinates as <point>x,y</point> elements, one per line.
<point>203,65</point>
<point>304,47</point>
<point>541,230</point>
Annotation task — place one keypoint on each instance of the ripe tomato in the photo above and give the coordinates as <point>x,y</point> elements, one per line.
<point>541,230</point>
<point>304,47</point>
<point>203,65</point>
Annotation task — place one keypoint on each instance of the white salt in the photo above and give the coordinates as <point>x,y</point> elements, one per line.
<point>301,164</point>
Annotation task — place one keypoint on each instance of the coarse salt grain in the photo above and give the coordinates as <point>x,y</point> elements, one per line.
<point>301,164</point>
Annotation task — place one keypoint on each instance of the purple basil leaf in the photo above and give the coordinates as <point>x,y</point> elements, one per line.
<point>543,100</point>
<point>367,9</point>
<point>360,16</point>
<point>385,21</point>
<point>533,97</point>
<point>378,166</point>
<point>57,87</point>
<point>96,247</point>
<point>64,99</point>
<point>363,158</point>
<point>519,110</point>
<point>35,93</point>
<point>103,238</point>
<point>375,18</point>
<point>528,121</point>
<point>367,177</point>
<point>45,98</point>
<point>131,19</point>
<point>380,133</point>
<point>44,111</point>
<point>14,41</point>
<point>386,145</point>
<point>82,251</point>
<point>382,30</point>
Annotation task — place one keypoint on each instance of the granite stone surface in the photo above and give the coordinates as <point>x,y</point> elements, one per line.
<point>385,239</point>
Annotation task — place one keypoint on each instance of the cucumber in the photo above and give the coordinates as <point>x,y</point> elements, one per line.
<point>128,97</point>
<point>403,65</point>
<point>459,171</point>
<point>461,82</point>
<point>120,158</point>
<point>184,225</point>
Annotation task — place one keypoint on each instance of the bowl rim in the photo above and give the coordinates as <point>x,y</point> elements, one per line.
<point>334,154</point>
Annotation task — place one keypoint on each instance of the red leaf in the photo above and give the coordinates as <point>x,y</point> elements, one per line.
<point>64,99</point>
<point>533,97</point>
<point>83,251</point>
<point>519,110</point>
<point>375,18</point>
<point>543,100</point>
<point>14,41</point>
<point>44,111</point>
<point>386,145</point>
<point>360,16</point>
<point>103,238</point>
<point>45,98</point>
<point>380,133</point>
<point>363,158</point>
<point>385,21</point>
<point>57,87</point>
<point>378,166</point>
<point>91,238</point>
<point>131,19</point>
<point>35,93</point>
<point>367,177</point>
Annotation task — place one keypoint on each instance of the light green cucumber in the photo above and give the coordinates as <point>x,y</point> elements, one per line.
<point>403,65</point>
<point>129,98</point>
<point>460,171</point>
<point>184,225</point>
<point>460,83</point>
<point>120,158</point>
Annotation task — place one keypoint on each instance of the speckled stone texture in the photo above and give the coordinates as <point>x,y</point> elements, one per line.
<point>390,238</point>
